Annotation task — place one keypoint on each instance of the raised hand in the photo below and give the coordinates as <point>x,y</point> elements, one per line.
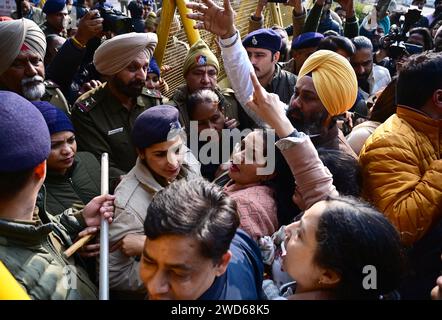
<point>269,108</point>
<point>90,26</point>
<point>259,8</point>
<point>294,3</point>
<point>231,123</point>
<point>165,68</point>
<point>213,18</point>
<point>348,7</point>
<point>87,86</point>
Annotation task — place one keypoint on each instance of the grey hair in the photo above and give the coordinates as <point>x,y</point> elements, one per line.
<point>362,42</point>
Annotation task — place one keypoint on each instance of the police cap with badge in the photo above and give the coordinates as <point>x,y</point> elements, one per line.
<point>263,39</point>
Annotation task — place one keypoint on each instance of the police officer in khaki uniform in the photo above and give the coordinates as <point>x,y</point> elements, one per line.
<point>200,71</point>
<point>263,47</point>
<point>103,117</point>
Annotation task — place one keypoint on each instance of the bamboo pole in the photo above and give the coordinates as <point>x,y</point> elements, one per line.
<point>77,245</point>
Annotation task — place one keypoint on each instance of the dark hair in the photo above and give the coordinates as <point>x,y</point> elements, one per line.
<point>352,235</point>
<point>345,169</point>
<point>136,9</point>
<point>284,51</point>
<point>194,208</point>
<point>12,183</point>
<point>362,42</point>
<point>425,33</point>
<point>283,185</point>
<point>385,106</point>
<point>334,43</point>
<point>421,74</point>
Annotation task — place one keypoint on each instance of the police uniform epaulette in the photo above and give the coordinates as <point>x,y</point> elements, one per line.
<point>87,101</point>
<point>151,93</point>
<point>86,105</point>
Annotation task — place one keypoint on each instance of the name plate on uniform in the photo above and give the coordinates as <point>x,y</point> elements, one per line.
<point>111,132</point>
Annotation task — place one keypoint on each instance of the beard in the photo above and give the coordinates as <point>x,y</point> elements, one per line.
<point>363,83</point>
<point>311,127</point>
<point>33,88</point>
<point>131,89</point>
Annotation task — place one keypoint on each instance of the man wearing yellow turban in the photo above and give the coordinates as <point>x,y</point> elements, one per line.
<point>326,88</point>
<point>326,85</point>
<point>103,117</point>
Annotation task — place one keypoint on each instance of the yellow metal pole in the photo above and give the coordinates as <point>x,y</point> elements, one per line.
<point>167,12</point>
<point>276,14</point>
<point>9,288</point>
<point>192,34</point>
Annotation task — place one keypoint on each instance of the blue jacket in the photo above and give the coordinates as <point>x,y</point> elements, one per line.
<point>65,65</point>
<point>243,277</point>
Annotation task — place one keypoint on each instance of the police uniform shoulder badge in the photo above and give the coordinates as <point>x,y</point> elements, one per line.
<point>175,129</point>
<point>151,93</point>
<point>175,125</point>
<point>86,105</point>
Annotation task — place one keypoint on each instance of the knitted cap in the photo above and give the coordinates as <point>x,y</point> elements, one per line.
<point>153,67</point>
<point>55,118</point>
<point>24,135</point>
<point>200,55</point>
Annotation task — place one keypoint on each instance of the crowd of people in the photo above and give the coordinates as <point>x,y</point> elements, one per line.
<point>316,174</point>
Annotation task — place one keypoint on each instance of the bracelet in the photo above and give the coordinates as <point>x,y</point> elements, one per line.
<point>78,43</point>
<point>234,41</point>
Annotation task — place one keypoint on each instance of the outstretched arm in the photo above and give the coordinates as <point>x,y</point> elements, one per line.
<point>314,181</point>
<point>220,21</point>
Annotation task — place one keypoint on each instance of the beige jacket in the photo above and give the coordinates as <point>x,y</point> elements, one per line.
<point>360,134</point>
<point>314,182</point>
<point>133,196</point>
